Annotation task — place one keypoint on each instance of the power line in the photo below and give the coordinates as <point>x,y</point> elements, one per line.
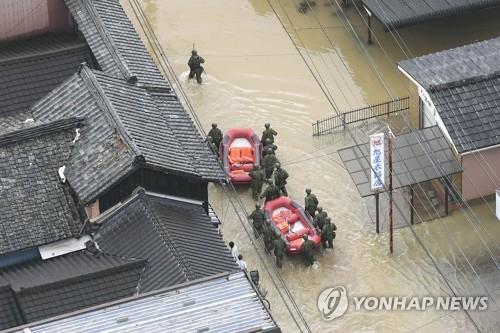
<point>227,186</point>
<point>412,230</point>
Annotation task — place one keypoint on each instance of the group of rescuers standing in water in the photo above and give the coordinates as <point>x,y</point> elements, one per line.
<point>271,169</point>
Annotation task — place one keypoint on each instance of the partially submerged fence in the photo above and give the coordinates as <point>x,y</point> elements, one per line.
<point>332,123</point>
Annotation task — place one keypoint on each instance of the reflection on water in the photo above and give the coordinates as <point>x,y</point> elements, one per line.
<point>254,74</point>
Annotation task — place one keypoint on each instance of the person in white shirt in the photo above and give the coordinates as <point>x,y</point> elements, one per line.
<point>234,250</point>
<point>241,263</point>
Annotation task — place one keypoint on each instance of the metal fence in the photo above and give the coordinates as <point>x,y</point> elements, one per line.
<point>331,123</point>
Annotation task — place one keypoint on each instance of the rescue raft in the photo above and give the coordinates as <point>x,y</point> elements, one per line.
<point>240,150</point>
<point>292,222</point>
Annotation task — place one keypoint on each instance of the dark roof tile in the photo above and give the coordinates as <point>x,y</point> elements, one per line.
<point>46,288</point>
<point>461,63</point>
<point>470,114</point>
<point>35,207</point>
<point>400,13</point>
<point>31,68</point>
<point>114,41</point>
<point>176,237</point>
<point>126,128</point>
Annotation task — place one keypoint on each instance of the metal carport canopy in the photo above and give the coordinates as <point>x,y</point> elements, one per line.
<point>411,163</point>
<point>396,14</point>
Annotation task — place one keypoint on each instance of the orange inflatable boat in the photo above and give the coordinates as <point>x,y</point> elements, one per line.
<point>240,150</point>
<point>292,222</point>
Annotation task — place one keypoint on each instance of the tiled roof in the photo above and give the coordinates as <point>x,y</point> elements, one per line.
<point>177,238</point>
<point>125,129</point>
<point>470,110</point>
<point>463,84</point>
<point>11,122</point>
<point>10,315</point>
<point>32,68</point>
<point>477,59</point>
<point>222,304</point>
<point>64,284</point>
<point>114,41</point>
<point>400,13</point>
<point>189,136</point>
<point>35,207</point>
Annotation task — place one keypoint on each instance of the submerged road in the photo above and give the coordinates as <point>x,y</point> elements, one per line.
<point>254,74</point>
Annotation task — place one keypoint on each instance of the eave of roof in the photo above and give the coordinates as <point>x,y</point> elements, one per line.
<point>401,13</point>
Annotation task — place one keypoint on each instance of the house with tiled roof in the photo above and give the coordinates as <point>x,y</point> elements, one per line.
<point>129,140</point>
<point>75,232</point>
<point>138,132</point>
<point>45,269</point>
<point>39,289</point>
<point>36,206</point>
<point>149,242</point>
<point>459,90</point>
<point>174,234</point>
<point>32,67</point>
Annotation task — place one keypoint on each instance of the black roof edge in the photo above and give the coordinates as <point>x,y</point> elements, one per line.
<point>133,262</point>
<point>20,58</point>
<point>42,130</point>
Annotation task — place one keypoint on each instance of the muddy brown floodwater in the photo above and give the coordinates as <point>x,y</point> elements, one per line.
<point>254,75</point>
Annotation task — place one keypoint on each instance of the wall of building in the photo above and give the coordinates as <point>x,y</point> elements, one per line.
<point>414,114</point>
<point>25,18</point>
<point>154,181</point>
<point>481,173</point>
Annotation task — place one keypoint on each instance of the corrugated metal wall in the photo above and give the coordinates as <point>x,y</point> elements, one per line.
<point>24,18</point>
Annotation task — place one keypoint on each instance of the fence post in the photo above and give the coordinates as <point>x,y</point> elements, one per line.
<point>343,121</point>
<point>317,127</point>
<point>388,108</point>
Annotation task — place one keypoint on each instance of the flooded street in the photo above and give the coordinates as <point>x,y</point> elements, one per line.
<point>255,74</point>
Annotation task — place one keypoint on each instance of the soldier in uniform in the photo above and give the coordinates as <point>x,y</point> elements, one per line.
<point>216,135</point>
<point>311,202</point>
<point>279,250</point>
<point>272,192</point>
<point>268,237</point>
<point>258,219</point>
<point>195,67</point>
<point>269,162</point>
<point>319,219</point>
<point>269,148</point>
<point>328,233</point>
<point>308,251</point>
<point>280,177</point>
<point>212,145</point>
<point>257,181</point>
<point>268,133</point>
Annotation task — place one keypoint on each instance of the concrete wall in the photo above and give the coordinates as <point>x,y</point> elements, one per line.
<point>24,18</point>
<point>481,178</point>
<point>414,114</point>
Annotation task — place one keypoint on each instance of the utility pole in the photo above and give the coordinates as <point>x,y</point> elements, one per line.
<point>391,226</point>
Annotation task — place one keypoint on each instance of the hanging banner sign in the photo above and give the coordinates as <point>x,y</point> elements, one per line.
<point>377,161</point>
